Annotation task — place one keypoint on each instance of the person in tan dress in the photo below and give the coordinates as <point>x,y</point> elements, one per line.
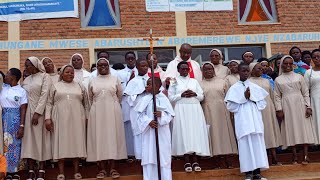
<point>50,69</point>
<point>36,143</point>
<point>292,104</point>
<point>272,134</point>
<point>223,141</point>
<point>66,114</point>
<point>247,57</point>
<point>216,58</point>
<point>106,136</point>
<point>80,73</point>
<point>233,77</point>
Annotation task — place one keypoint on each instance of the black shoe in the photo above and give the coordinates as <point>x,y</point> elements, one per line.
<point>259,177</point>
<point>248,177</point>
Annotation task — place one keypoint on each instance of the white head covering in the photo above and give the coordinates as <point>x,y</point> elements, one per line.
<point>281,61</point>
<point>236,61</point>
<point>252,65</point>
<point>214,73</point>
<point>247,52</point>
<point>220,53</point>
<point>62,69</point>
<point>100,60</point>
<point>55,71</point>
<point>37,63</point>
<point>77,54</point>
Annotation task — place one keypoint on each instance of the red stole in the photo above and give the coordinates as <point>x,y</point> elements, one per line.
<point>191,73</point>
<point>156,74</point>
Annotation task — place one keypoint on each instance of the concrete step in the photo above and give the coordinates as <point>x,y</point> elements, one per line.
<point>285,172</point>
<point>133,171</point>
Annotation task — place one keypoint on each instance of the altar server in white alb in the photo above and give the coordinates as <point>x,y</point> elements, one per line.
<point>126,75</point>
<point>134,91</point>
<point>246,100</point>
<point>147,125</point>
<point>185,55</point>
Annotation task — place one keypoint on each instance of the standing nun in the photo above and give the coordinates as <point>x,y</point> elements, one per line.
<point>272,136</point>
<point>247,57</point>
<point>67,111</point>
<point>216,58</point>
<point>80,73</point>
<point>36,143</point>
<point>223,141</point>
<point>106,136</point>
<point>292,104</point>
<point>233,77</point>
<point>50,69</point>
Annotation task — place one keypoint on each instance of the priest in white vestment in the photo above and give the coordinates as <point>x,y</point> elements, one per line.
<point>81,75</point>
<point>134,91</point>
<point>146,124</point>
<point>246,100</point>
<point>185,55</point>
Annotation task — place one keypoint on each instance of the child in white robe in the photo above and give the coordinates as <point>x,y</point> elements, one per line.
<point>147,125</point>
<point>126,75</point>
<point>134,91</point>
<point>246,100</point>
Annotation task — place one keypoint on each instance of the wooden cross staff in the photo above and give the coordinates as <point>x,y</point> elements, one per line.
<point>151,40</point>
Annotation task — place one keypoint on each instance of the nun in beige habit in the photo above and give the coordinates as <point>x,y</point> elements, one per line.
<point>67,111</point>
<point>272,136</point>
<point>80,73</point>
<point>292,104</point>
<point>216,58</point>
<point>223,141</point>
<point>233,77</point>
<point>50,69</point>
<point>36,143</point>
<point>106,136</point>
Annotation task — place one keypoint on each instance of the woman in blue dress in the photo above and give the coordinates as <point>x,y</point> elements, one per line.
<point>13,100</point>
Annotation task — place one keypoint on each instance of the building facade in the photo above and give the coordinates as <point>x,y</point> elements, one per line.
<point>283,24</point>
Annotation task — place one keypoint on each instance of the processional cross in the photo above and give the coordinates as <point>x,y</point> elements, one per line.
<point>151,40</point>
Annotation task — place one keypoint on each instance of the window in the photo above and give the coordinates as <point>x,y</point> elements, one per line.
<point>202,54</point>
<point>164,55</point>
<point>257,11</point>
<point>100,13</point>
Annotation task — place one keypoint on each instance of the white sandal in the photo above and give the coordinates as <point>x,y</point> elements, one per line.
<point>61,177</point>
<point>44,173</point>
<point>77,176</point>
<point>187,168</point>
<point>34,175</point>
<point>196,167</point>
